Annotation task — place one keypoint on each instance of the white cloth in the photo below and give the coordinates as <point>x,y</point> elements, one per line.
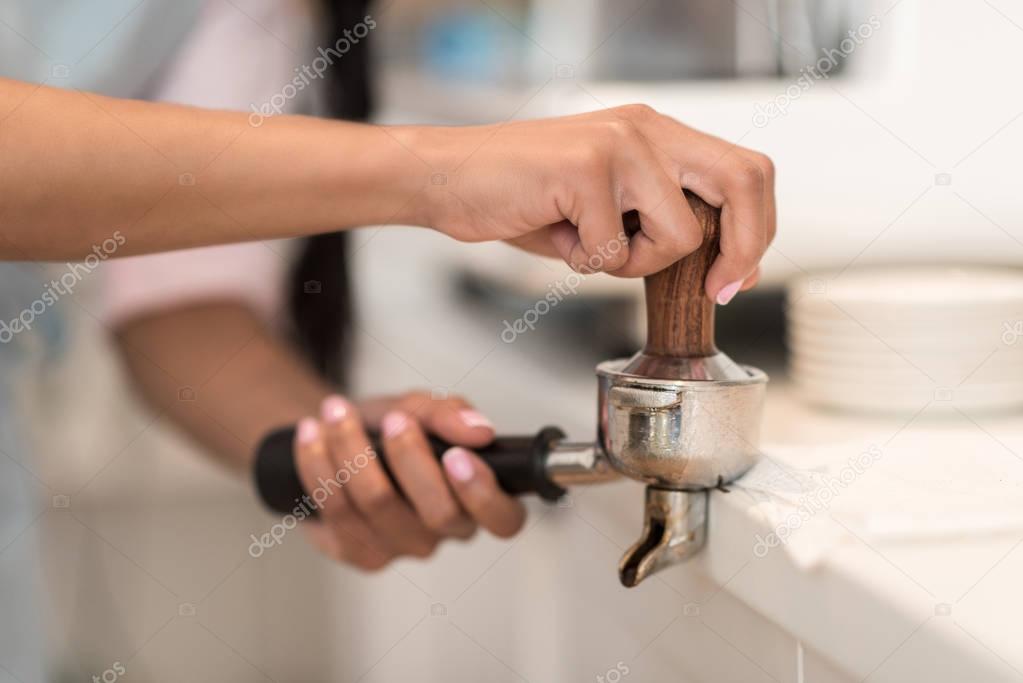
<point>926,485</point>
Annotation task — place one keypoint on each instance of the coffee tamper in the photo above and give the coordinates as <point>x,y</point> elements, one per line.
<point>679,416</point>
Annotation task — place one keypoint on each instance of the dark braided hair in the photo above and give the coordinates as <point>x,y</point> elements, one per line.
<point>320,297</point>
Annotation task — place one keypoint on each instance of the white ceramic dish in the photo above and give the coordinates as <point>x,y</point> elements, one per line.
<point>917,287</point>
<point>863,398</point>
<point>852,344</point>
<point>894,339</point>
<point>909,375</point>
<point>859,356</point>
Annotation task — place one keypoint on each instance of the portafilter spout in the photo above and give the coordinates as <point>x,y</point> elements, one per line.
<point>674,529</point>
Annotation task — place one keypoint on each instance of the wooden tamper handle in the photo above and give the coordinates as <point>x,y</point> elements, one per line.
<point>679,315</point>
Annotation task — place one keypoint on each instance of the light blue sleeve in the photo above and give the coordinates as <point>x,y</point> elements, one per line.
<point>22,638</point>
<point>114,47</point>
<point>117,48</point>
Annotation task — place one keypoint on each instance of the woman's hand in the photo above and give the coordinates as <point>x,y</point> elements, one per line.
<point>560,186</point>
<point>365,521</point>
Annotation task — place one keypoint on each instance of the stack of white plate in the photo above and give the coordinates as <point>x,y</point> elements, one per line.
<point>899,339</point>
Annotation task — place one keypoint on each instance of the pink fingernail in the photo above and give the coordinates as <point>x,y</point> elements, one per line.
<point>474,419</point>
<point>308,431</point>
<point>458,464</point>
<point>334,409</point>
<point>393,424</point>
<point>728,292</point>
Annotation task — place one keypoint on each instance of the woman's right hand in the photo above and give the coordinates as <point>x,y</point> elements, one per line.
<point>364,519</point>
<point>559,186</point>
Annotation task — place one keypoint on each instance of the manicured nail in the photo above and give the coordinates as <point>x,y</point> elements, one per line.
<point>334,409</point>
<point>728,292</point>
<point>393,424</point>
<point>474,419</point>
<point>458,464</point>
<point>308,431</point>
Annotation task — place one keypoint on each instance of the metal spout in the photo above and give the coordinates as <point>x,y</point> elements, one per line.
<point>674,529</point>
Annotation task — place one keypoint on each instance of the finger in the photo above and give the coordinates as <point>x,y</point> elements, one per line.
<point>536,242</point>
<point>565,240</point>
<point>770,208</point>
<point>476,488</point>
<point>324,540</point>
<point>727,176</point>
<point>744,226</point>
<point>751,281</point>
<point>419,475</point>
<point>593,240</point>
<point>452,418</point>
<point>335,544</point>
<point>315,469</point>
<point>325,493</point>
<point>368,486</point>
<point>669,230</point>
<point>770,200</point>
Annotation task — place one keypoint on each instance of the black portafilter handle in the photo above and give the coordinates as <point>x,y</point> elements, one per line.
<point>518,462</point>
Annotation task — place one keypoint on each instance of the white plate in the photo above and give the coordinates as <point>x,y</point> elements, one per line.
<point>916,287</point>
<point>987,398</point>
<point>905,373</point>
<point>826,308</point>
<point>910,322</point>
<point>866,358</point>
<point>853,340</point>
<point>895,338</point>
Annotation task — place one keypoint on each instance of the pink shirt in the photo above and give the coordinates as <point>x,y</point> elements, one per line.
<point>230,61</point>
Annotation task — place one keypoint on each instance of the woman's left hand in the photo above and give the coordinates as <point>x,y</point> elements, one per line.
<point>367,521</point>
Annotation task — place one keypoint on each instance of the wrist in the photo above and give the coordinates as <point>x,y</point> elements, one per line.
<point>359,174</point>
<point>439,155</point>
<point>422,161</point>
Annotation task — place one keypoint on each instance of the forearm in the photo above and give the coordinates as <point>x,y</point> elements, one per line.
<point>77,167</point>
<point>218,373</point>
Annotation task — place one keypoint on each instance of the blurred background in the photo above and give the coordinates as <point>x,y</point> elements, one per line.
<point>887,314</point>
